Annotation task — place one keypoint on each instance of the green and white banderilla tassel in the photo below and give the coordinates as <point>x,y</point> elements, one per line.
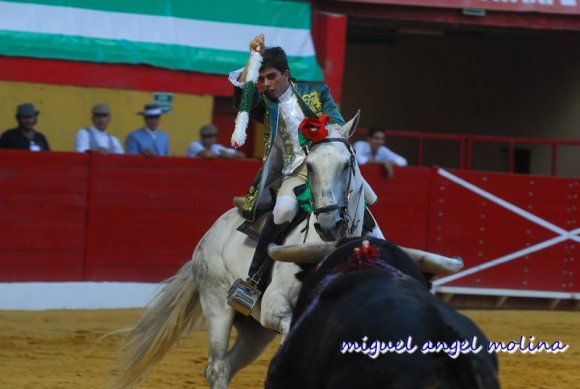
<point>243,118</point>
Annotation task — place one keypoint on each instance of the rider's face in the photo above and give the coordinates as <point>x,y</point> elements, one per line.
<point>273,82</point>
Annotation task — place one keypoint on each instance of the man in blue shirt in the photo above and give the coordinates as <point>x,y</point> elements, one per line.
<point>149,140</point>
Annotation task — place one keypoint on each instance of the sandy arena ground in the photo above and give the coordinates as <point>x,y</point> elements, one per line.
<point>57,350</point>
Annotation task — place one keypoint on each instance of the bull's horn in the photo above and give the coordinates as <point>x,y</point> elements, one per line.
<point>312,252</point>
<point>434,263</point>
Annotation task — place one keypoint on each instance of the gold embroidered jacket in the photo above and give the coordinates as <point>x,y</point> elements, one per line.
<point>314,99</point>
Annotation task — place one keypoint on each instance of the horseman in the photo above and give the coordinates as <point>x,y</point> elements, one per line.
<point>198,290</point>
<point>281,106</point>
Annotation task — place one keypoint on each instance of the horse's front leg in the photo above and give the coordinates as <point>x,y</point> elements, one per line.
<point>276,311</point>
<point>279,299</point>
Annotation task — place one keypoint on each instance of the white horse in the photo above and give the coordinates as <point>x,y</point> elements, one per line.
<point>200,288</point>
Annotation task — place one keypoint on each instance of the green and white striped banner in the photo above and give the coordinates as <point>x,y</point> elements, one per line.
<point>208,36</point>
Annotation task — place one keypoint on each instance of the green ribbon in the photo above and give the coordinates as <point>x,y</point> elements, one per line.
<point>302,140</point>
<point>304,198</point>
<point>247,96</point>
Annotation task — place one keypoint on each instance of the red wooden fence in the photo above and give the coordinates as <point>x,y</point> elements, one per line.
<point>66,217</point>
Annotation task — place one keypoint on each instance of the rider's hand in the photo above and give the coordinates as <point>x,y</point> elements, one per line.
<point>257,44</point>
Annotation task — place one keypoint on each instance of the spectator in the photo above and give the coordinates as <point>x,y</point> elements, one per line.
<point>149,140</point>
<point>373,150</point>
<point>95,138</point>
<point>25,137</point>
<point>207,146</point>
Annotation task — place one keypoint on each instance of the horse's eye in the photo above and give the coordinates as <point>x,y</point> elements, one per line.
<point>346,166</point>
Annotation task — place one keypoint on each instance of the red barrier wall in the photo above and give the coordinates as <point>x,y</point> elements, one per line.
<point>145,216</point>
<point>43,215</point>
<point>515,231</point>
<point>66,216</point>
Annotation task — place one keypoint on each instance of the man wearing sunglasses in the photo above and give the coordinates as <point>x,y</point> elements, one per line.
<point>95,138</point>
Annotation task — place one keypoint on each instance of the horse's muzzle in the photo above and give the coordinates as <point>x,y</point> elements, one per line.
<point>330,226</point>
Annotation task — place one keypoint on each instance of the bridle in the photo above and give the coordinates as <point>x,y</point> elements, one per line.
<point>344,206</point>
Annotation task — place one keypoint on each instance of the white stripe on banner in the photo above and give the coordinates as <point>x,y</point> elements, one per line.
<point>36,18</point>
<point>35,296</point>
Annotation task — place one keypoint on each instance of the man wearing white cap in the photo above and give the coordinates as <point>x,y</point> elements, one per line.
<point>149,140</point>
<point>95,138</point>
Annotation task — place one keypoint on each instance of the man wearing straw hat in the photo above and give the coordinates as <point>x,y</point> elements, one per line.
<point>149,140</point>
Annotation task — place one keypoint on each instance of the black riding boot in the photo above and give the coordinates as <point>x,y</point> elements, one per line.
<point>261,263</point>
<point>244,294</point>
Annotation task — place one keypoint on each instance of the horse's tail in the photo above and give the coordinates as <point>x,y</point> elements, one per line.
<point>173,313</point>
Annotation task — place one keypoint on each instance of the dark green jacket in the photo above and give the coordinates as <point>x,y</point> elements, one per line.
<point>314,99</point>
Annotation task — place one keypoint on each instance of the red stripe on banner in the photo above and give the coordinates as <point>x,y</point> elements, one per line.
<point>570,7</point>
<point>493,18</point>
<point>116,76</point>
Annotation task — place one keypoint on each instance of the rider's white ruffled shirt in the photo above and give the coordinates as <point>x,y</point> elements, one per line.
<point>286,140</point>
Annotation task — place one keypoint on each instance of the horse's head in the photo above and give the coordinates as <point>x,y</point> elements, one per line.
<point>336,184</point>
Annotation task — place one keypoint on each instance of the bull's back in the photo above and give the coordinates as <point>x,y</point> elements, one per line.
<point>367,307</point>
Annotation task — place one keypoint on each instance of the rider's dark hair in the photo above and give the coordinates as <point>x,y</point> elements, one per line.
<point>374,129</point>
<point>275,57</point>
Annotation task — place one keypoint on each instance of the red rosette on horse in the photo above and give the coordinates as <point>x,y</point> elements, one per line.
<point>314,128</point>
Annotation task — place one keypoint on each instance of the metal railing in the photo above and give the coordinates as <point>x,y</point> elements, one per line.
<point>465,145</point>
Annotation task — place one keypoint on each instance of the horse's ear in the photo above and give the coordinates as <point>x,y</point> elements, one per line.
<point>349,128</point>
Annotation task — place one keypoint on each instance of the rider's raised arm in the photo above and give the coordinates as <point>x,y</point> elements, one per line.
<point>257,44</point>
<point>238,80</point>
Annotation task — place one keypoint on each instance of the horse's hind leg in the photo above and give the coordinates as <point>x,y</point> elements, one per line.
<point>251,340</point>
<point>219,318</point>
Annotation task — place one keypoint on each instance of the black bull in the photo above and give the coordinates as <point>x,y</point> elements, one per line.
<point>384,299</point>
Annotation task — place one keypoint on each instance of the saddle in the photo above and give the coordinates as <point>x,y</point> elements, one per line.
<point>253,230</point>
